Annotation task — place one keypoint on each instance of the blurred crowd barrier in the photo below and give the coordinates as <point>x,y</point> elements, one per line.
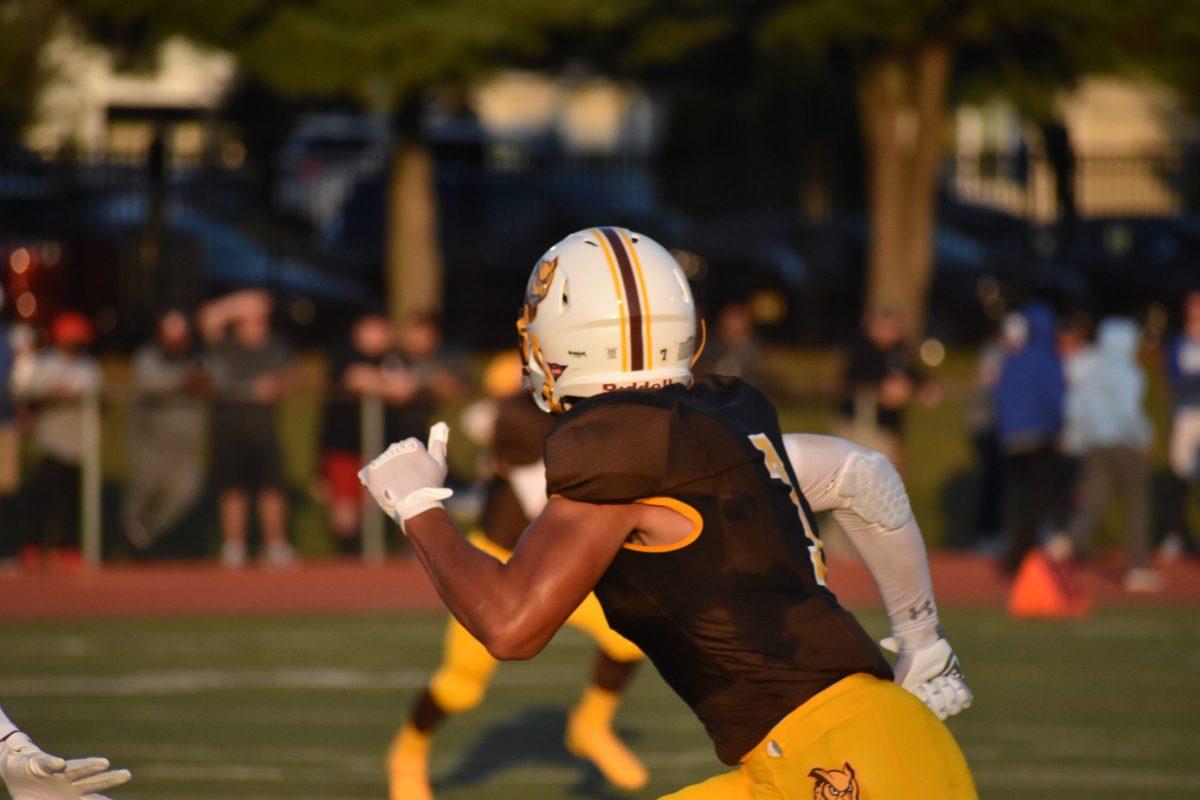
<point>117,473</point>
<point>114,474</point>
<point>87,478</point>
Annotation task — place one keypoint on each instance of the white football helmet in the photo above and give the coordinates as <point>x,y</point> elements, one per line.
<point>606,309</point>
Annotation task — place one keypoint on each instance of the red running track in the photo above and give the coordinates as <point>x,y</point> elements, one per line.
<point>322,587</point>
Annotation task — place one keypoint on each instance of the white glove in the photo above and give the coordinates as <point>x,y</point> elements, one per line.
<point>31,774</point>
<point>933,674</point>
<point>406,479</point>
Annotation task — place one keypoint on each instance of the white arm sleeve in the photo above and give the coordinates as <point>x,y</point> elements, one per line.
<point>868,500</point>
<point>6,726</point>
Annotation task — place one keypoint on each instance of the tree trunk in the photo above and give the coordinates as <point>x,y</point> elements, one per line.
<point>414,258</point>
<point>931,75</point>
<point>903,109</point>
<point>881,101</point>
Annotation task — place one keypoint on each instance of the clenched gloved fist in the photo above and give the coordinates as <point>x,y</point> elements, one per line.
<point>933,674</point>
<point>31,774</point>
<point>406,479</point>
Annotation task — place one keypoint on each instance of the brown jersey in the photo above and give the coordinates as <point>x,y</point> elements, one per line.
<point>737,618</point>
<point>518,439</point>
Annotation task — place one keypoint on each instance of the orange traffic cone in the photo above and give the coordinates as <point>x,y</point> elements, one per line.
<point>1046,589</point>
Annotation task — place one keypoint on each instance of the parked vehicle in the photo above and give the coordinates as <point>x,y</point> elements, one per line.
<point>322,161</point>
<point>1130,262</point>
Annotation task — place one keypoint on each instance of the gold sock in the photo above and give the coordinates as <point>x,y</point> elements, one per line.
<point>411,744</point>
<point>408,764</point>
<point>597,707</point>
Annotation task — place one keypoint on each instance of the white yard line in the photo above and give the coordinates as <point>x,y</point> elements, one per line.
<point>1043,776</point>
<point>192,681</point>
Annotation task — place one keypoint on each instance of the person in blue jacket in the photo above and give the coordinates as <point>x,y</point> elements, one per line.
<point>1029,418</point>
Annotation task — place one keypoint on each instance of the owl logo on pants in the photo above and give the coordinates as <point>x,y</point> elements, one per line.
<point>835,784</point>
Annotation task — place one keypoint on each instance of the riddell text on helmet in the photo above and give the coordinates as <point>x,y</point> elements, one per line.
<point>617,387</point>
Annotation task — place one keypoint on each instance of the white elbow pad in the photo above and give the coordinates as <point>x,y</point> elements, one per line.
<point>873,490</point>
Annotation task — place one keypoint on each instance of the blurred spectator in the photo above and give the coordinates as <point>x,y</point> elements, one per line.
<point>368,365</point>
<point>879,381</point>
<point>735,349</point>
<point>1183,377</point>
<point>981,422</point>
<point>10,442</point>
<point>55,383</point>
<point>1106,424</point>
<point>250,369</point>
<point>1074,343</point>
<point>165,433</point>
<point>1029,417</point>
<point>437,380</point>
<point>1076,354</point>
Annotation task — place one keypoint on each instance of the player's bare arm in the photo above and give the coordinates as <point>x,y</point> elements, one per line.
<point>513,608</point>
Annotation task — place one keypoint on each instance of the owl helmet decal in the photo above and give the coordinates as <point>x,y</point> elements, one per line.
<point>606,309</point>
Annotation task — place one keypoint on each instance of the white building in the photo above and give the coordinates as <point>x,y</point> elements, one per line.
<point>92,107</point>
<point>1128,139</point>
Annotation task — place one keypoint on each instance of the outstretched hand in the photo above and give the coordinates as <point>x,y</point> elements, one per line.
<point>31,774</point>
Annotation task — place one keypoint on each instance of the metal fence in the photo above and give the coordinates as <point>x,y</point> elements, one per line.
<point>133,237</point>
<point>1140,184</point>
<point>104,458</point>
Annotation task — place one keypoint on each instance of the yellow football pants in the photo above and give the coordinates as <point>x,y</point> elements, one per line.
<point>861,739</point>
<point>467,668</point>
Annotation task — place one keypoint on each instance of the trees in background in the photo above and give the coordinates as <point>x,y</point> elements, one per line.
<point>386,57</point>
<point>911,62</point>
<point>906,62</point>
<point>25,26</point>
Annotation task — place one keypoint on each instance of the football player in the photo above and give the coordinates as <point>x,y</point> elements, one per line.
<point>515,429</point>
<point>679,501</point>
<point>30,774</point>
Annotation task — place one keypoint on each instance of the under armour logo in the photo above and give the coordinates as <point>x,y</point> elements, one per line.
<point>915,612</point>
<point>952,668</point>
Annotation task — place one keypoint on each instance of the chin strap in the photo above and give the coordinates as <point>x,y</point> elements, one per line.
<point>531,349</point>
<point>556,407</point>
<point>698,352</point>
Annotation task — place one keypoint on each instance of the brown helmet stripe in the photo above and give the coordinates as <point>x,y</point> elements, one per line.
<point>632,298</point>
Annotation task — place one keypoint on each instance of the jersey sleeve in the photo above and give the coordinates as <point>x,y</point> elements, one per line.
<point>613,453</point>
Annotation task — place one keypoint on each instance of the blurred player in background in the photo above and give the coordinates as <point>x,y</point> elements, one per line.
<point>515,431</point>
<point>30,774</point>
<point>679,500</point>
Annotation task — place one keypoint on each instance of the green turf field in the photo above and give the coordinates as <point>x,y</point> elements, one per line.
<point>303,707</point>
